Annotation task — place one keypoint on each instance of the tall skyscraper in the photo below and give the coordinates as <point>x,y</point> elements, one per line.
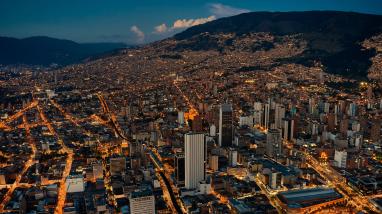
<point>225,125</point>
<point>352,109</point>
<point>179,168</point>
<point>181,118</point>
<point>274,143</point>
<point>194,148</point>
<point>288,129</point>
<point>375,131</point>
<point>279,115</point>
<point>265,120</point>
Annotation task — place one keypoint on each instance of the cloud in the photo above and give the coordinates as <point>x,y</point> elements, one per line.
<point>161,29</point>
<point>221,10</point>
<point>138,33</point>
<point>217,10</point>
<point>180,24</point>
<point>185,23</point>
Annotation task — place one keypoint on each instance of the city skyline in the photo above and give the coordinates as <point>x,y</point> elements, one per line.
<point>261,112</point>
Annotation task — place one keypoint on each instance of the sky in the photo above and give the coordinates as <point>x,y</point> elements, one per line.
<point>141,21</point>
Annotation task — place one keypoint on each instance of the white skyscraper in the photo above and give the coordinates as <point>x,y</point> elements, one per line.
<point>181,118</point>
<point>194,159</point>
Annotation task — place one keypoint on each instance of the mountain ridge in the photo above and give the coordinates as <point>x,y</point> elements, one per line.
<point>43,50</point>
<point>333,37</point>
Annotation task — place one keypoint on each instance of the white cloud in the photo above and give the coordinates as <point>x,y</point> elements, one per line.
<point>161,28</point>
<point>138,33</point>
<point>221,10</point>
<point>185,23</point>
<point>181,23</point>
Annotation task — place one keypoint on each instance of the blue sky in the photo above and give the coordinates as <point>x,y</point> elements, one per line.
<point>141,21</point>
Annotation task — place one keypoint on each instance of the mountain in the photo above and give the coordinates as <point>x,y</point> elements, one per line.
<point>334,38</point>
<point>41,50</point>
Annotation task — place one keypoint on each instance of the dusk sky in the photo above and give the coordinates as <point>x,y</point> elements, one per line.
<point>142,21</point>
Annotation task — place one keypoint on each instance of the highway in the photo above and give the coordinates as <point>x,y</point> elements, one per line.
<point>174,204</point>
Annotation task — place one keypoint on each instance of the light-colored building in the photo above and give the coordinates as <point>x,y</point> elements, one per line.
<point>340,158</point>
<point>213,162</point>
<point>142,202</point>
<point>212,130</point>
<point>232,157</point>
<point>181,118</point>
<point>194,159</point>
<point>75,183</point>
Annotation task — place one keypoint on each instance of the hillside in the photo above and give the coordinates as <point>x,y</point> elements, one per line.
<point>42,50</point>
<point>333,38</point>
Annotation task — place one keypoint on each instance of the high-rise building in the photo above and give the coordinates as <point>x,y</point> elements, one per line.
<point>194,148</point>
<point>287,130</point>
<point>340,158</point>
<point>352,109</point>
<point>344,126</point>
<point>375,131</point>
<point>142,202</point>
<point>331,122</point>
<point>179,168</point>
<point>312,105</point>
<point>279,115</point>
<point>181,118</point>
<point>314,130</point>
<point>274,143</point>
<point>275,180</point>
<point>257,117</point>
<point>225,125</point>
<point>212,130</point>
<point>213,162</point>
<point>266,111</point>
<point>232,157</point>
